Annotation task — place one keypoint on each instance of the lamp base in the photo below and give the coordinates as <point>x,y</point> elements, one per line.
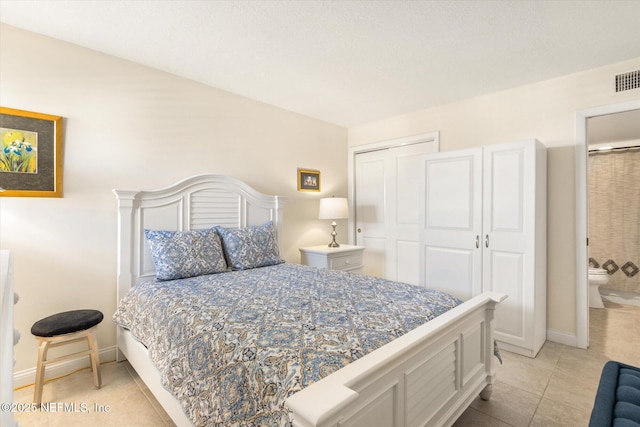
<point>333,243</point>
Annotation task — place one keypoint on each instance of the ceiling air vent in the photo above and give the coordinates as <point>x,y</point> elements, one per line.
<point>628,81</point>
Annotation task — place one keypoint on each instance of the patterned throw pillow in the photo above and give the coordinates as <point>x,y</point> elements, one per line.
<point>181,254</point>
<point>250,247</point>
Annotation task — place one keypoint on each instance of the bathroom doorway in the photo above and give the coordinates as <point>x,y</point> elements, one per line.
<point>613,183</point>
<point>582,253</point>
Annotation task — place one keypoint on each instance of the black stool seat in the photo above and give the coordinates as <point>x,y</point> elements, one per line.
<point>66,323</point>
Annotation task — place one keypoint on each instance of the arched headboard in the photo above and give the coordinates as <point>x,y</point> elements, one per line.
<point>197,202</point>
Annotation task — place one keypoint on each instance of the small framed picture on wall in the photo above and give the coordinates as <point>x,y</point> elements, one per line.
<point>308,180</point>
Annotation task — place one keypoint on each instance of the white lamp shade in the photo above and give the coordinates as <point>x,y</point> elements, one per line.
<point>333,208</point>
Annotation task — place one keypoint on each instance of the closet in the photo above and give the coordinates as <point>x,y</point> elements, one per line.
<point>386,208</point>
<point>483,228</point>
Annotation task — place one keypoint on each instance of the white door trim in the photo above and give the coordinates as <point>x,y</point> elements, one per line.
<point>582,224</point>
<point>380,145</point>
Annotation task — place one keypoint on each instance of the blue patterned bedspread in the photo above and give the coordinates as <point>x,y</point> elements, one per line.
<point>233,346</point>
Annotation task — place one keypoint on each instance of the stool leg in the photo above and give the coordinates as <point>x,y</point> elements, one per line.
<point>42,357</point>
<point>95,359</point>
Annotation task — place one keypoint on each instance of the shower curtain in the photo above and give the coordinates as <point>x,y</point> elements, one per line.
<point>614,216</point>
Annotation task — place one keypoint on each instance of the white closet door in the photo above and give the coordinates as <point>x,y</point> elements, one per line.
<point>370,194</point>
<point>387,210</point>
<point>509,227</point>
<point>404,208</point>
<point>451,222</point>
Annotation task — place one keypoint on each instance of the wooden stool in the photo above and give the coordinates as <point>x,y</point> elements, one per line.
<point>61,329</point>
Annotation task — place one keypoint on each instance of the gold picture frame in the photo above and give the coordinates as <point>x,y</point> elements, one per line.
<point>308,180</point>
<point>30,154</point>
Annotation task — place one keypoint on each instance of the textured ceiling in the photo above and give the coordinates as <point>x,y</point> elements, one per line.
<point>348,62</point>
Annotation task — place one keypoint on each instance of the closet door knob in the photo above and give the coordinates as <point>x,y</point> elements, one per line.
<point>477,241</point>
<point>359,230</point>
<point>486,241</point>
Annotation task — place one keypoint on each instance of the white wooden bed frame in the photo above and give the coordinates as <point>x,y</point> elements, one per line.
<point>428,376</point>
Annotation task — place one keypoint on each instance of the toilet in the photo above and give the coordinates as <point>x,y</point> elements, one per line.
<point>597,277</point>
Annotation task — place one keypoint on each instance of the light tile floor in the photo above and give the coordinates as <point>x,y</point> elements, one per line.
<point>556,388</point>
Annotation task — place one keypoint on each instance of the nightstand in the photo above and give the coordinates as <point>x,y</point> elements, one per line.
<point>345,257</point>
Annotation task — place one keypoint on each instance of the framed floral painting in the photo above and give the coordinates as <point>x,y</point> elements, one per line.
<point>30,154</point>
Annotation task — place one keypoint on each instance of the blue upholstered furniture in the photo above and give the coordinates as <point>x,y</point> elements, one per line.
<point>618,398</point>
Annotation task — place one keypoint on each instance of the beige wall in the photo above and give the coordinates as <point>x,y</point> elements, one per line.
<point>128,126</point>
<point>546,111</point>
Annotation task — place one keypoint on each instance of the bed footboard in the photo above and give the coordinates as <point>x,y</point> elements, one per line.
<point>428,376</point>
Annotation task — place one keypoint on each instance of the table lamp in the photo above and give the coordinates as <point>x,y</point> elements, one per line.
<point>333,208</point>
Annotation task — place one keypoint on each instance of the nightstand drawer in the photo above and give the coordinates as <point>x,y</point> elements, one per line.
<point>346,262</point>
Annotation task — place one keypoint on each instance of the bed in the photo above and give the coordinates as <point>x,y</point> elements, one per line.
<point>405,365</point>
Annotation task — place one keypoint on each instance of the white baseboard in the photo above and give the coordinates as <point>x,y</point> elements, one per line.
<point>562,338</point>
<point>28,376</point>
